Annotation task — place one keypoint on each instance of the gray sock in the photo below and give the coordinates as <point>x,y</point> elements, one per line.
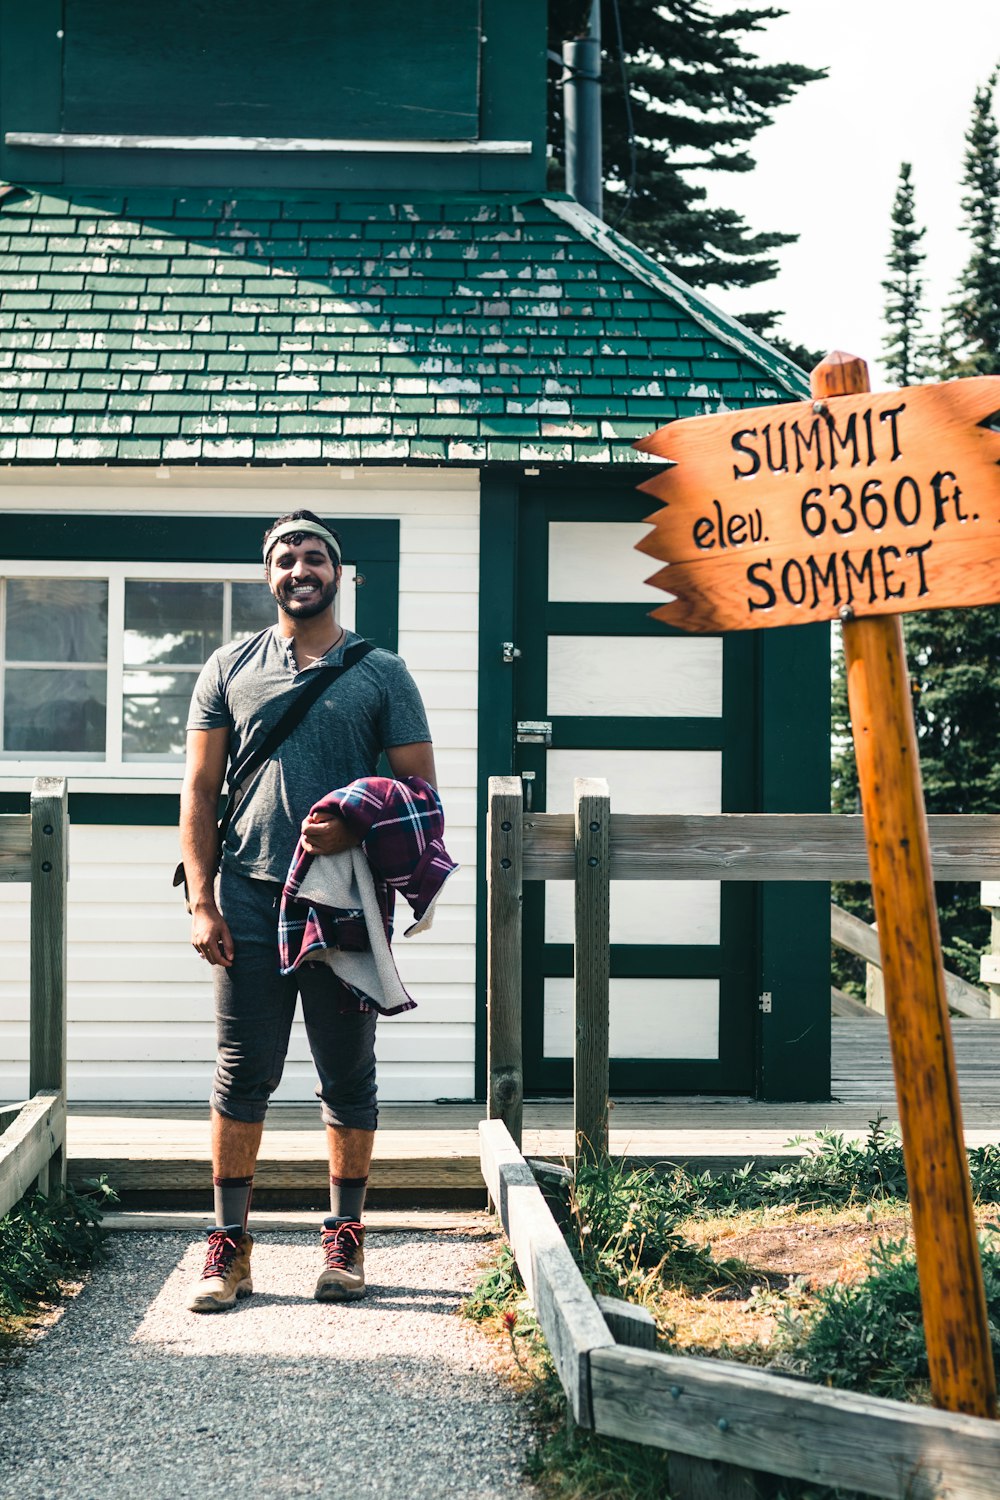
<point>232,1200</point>
<point>347,1197</point>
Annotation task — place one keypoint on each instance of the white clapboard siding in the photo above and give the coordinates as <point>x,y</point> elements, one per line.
<point>192,1003</point>
<point>600,557</point>
<point>169,1082</point>
<point>657,1018</point>
<point>138,994</point>
<point>635,677</point>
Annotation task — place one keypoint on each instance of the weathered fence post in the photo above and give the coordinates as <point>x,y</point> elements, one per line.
<point>591,967</point>
<point>989,964</point>
<point>504,1067</point>
<point>49,873</point>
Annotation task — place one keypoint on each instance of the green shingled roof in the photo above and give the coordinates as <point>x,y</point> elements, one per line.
<point>150,327</point>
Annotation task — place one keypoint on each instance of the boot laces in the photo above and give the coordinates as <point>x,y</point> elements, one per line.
<point>340,1246</point>
<point>221,1249</point>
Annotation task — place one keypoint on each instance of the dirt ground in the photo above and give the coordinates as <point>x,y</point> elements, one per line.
<point>787,1255</point>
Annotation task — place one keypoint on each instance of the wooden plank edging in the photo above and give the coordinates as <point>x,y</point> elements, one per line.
<point>719,1410</point>
<point>567,1313</point>
<point>28,1145</point>
<point>715,1409</point>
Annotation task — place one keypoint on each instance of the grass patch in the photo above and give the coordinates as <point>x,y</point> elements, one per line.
<point>805,1270</point>
<point>45,1242</point>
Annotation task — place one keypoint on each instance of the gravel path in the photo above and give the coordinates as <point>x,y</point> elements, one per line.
<point>129,1395</point>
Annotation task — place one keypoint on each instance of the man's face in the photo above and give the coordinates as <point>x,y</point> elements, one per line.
<point>302,577</point>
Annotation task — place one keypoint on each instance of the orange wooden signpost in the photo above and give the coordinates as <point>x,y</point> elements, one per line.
<point>863,507</point>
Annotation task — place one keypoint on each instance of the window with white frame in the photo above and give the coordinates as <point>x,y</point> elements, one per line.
<point>98,661</point>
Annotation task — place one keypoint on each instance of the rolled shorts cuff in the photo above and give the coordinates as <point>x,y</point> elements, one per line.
<point>246,1111</point>
<point>350,1116</point>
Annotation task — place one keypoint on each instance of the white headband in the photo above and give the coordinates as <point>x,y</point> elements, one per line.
<point>307,528</point>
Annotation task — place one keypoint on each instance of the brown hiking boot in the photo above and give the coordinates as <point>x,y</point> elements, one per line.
<point>343,1276</point>
<point>226,1275</point>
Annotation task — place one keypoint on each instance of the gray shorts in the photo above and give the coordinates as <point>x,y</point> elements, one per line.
<point>254,1006</point>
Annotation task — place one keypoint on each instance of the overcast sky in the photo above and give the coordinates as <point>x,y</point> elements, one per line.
<point>901,81</point>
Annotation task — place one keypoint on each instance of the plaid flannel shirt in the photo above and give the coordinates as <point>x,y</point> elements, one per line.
<point>400,825</point>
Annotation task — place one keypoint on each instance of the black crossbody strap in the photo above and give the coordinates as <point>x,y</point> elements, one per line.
<point>280,731</point>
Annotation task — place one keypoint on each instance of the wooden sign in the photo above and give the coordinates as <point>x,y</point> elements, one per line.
<point>847,506</point>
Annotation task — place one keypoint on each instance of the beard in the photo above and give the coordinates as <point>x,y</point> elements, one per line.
<point>305,609</point>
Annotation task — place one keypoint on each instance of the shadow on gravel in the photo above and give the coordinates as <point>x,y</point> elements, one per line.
<point>132,1394</point>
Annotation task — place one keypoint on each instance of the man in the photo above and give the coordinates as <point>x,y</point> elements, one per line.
<point>242,691</point>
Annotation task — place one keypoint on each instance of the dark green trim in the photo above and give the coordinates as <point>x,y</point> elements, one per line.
<point>794,923</point>
<point>209,539</point>
<point>377,600</point>
<point>605,619</point>
<point>122,809</point>
<point>638,961</point>
<point>641,734</point>
<point>498,529</point>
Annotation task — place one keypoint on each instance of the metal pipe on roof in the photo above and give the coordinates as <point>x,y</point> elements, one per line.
<point>582,115</point>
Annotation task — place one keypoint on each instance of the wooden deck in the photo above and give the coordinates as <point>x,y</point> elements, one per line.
<point>429,1153</point>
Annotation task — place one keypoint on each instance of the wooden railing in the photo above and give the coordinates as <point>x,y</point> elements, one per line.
<point>594,846</point>
<point>855,936</point>
<point>722,1423</point>
<point>34,847</point>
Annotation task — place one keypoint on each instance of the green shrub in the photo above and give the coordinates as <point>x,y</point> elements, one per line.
<point>44,1240</point>
<point>624,1233</point>
<point>868,1335</point>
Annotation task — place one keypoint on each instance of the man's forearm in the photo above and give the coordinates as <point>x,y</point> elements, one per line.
<point>199,837</point>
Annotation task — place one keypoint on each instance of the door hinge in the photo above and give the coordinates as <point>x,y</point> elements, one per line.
<point>534,732</point>
<point>764,1002</point>
<point>509,652</point>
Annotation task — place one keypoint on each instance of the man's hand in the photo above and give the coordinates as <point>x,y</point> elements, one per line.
<point>326,833</point>
<point>210,936</point>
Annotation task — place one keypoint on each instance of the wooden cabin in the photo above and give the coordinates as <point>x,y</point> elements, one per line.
<point>249,266</point>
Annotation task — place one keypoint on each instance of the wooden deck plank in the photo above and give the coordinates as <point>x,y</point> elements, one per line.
<point>428,1146</point>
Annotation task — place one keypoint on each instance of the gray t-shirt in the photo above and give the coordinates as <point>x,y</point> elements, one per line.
<point>247,686</point>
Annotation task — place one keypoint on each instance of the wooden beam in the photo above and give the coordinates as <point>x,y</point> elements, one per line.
<point>754,846</point>
<point>504,1062</point>
<point>855,936</point>
<point>59,140</point>
<point>15,847</point>
<point>718,1410</point>
<point>591,968</point>
<point>567,1313</point>
<point>29,1144</point>
<point>630,1324</point>
<point>843,1004</point>
<point>49,873</point>
<point>952,1296</point>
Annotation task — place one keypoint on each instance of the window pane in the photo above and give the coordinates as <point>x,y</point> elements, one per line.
<point>171,623</point>
<point>154,713</point>
<point>253,609</point>
<point>57,619</point>
<point>54,711</point>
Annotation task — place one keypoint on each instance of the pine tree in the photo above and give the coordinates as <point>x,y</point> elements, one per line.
<point>974,320</point>
<point>954,662</point>
<point>698,97</point>
<point>905,339</point>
